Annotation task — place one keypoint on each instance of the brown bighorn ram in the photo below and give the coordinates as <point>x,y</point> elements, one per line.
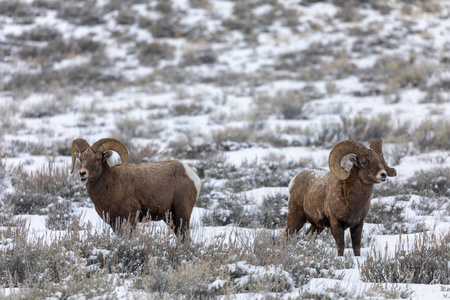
<point>338,199</point>
<point>164,190</point>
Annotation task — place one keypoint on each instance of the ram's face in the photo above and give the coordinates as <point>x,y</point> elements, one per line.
<point>91,165</point>
<point>370,168</point>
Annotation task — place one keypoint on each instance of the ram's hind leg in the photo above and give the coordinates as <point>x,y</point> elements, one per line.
<point>180,219</point>
<point>181,228</point>
<point>296,218</point>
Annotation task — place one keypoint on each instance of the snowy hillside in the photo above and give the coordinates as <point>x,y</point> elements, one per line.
<point>247,93</point>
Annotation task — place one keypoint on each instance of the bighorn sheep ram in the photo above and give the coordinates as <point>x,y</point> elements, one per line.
<point>164,190</point>
<point>338,199</point>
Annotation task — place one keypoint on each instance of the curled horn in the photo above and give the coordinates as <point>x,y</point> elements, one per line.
<point>112,144</point>
<point>78,146</point>
<point>337,154</point>
<point>376,145</point>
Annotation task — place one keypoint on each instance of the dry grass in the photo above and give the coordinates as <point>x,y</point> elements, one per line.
<point>244,261</point>
<point>51,190</point>
<point>425,263</point>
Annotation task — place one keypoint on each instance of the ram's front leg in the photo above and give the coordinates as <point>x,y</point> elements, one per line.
<point>355,233</point>
<point>338,233</point>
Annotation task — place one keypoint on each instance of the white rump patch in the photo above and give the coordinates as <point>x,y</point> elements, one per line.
<point>291,183</point>
<point>194,177</point>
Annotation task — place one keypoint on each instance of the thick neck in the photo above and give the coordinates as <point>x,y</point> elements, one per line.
<point>96,188</point>
<point>356,193</point>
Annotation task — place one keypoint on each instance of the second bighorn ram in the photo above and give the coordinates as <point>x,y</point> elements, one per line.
<point>164,190</point>
<point>338,199</point>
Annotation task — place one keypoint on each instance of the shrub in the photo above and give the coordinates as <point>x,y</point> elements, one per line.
<point>336,292</point>
<point>199,4</point>
<point>207,56</point>
<point>389,291</point>
<point>58,49</point>
<point>4,175</point>
<point>229,210</point>
<point>166,27</point>
<point>83,77</point>
<point>149,153</point>
<point>250,278</point>
<point>131,128</point>
<point>22,12</point>
<point>40,34</point>
<point>15,147</point>
<point>390,188</point>
<point>47,4</point>
<point>244,25</point>
<point>208,194</point>
<point>235,138</point>
<point>389,216</point>
<point>126,17</point>
<point>348,13</point>
<point>112,5</point>
<point>214,165</point>
<point>288,105</point>
<point>184,148</point>
<point>24,83</point>
<point>426,206</point>
<point>398,73</point>
<point>46,108</point>
<point>426,263</point>
<point>83,12</point>
<point>26,202</point>
<point>83,45</point>
<point>47,269</point>
<point>78,284</point>
<point>144,23</point>
<point>35,193</point>
<point>61,215</point>
<point>313,56</point>
<point>152,54</point>
<point>170,75</point>
<point>434,182</point>
<point>226,78</point>
<point>363,129</point>
<point>190,280</point>
<point>432,135</point>
<point>411,8</point>
<point>292,105</point>
<point>188,109</point>
<point>232,134</point>
<point>326,133</point>
<point>91,263</point>
<point>272,213</point>
<point>437,93</point>
<point>246,21</point>
<point>26,262</point>
<point>73,79</point>
<point>296,257</point>
<point>272,171</point>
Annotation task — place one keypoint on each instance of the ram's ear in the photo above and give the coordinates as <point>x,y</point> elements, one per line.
<point>106,155</point>
<point>354,160</point>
